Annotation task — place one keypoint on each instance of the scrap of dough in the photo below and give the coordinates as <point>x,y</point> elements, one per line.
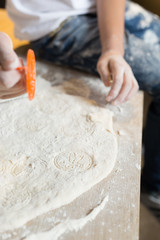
<point>51,152</point>
<point>69,224</point>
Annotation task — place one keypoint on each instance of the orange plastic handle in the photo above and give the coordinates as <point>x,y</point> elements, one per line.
<point>30,74</point>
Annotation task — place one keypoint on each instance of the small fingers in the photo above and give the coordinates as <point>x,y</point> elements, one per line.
<point>8,58</point>
<point>9,78</point>
<point>124,84</point>
<point>104,73</point>
<point>117,73</point>
<point>133,91</point>
<point>126,87</point>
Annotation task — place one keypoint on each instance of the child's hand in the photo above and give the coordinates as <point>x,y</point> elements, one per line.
<point>12,82</point>
<point>124,84</point>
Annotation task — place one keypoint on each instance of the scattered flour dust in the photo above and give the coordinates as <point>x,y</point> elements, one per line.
<point>52,149</point>
<point>69,225</point>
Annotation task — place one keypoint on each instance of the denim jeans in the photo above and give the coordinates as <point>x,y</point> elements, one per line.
<point>77,45</point>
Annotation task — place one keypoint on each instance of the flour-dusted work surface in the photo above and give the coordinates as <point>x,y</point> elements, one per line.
<point>107,209</point>
<point>52,150</point>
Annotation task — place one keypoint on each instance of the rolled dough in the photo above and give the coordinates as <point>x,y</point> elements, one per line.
<point>52,150</point>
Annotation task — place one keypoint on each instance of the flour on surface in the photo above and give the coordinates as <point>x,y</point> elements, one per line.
<point>52,149</point>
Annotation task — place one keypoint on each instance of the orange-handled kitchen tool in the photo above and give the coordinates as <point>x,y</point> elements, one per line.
<point>30,74</point>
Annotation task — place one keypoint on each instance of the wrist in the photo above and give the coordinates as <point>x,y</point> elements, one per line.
<point>113,45</point>
<point>111,52</point>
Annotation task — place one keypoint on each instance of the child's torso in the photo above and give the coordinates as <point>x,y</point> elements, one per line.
<point>34,19</point>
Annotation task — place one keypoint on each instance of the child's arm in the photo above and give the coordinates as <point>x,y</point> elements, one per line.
<point>12,82</point>
<point>111,27</point>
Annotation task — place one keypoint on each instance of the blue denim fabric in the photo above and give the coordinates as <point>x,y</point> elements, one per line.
<point>77,45</point>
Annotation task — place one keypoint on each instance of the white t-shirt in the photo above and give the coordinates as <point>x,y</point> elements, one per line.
<point>36,18</point>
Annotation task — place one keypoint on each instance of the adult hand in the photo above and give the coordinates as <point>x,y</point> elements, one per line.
<point>124,85</point>
<point>12,82</point>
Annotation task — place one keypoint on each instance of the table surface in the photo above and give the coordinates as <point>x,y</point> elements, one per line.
<point>119,220</point>
<point>120,217</point>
